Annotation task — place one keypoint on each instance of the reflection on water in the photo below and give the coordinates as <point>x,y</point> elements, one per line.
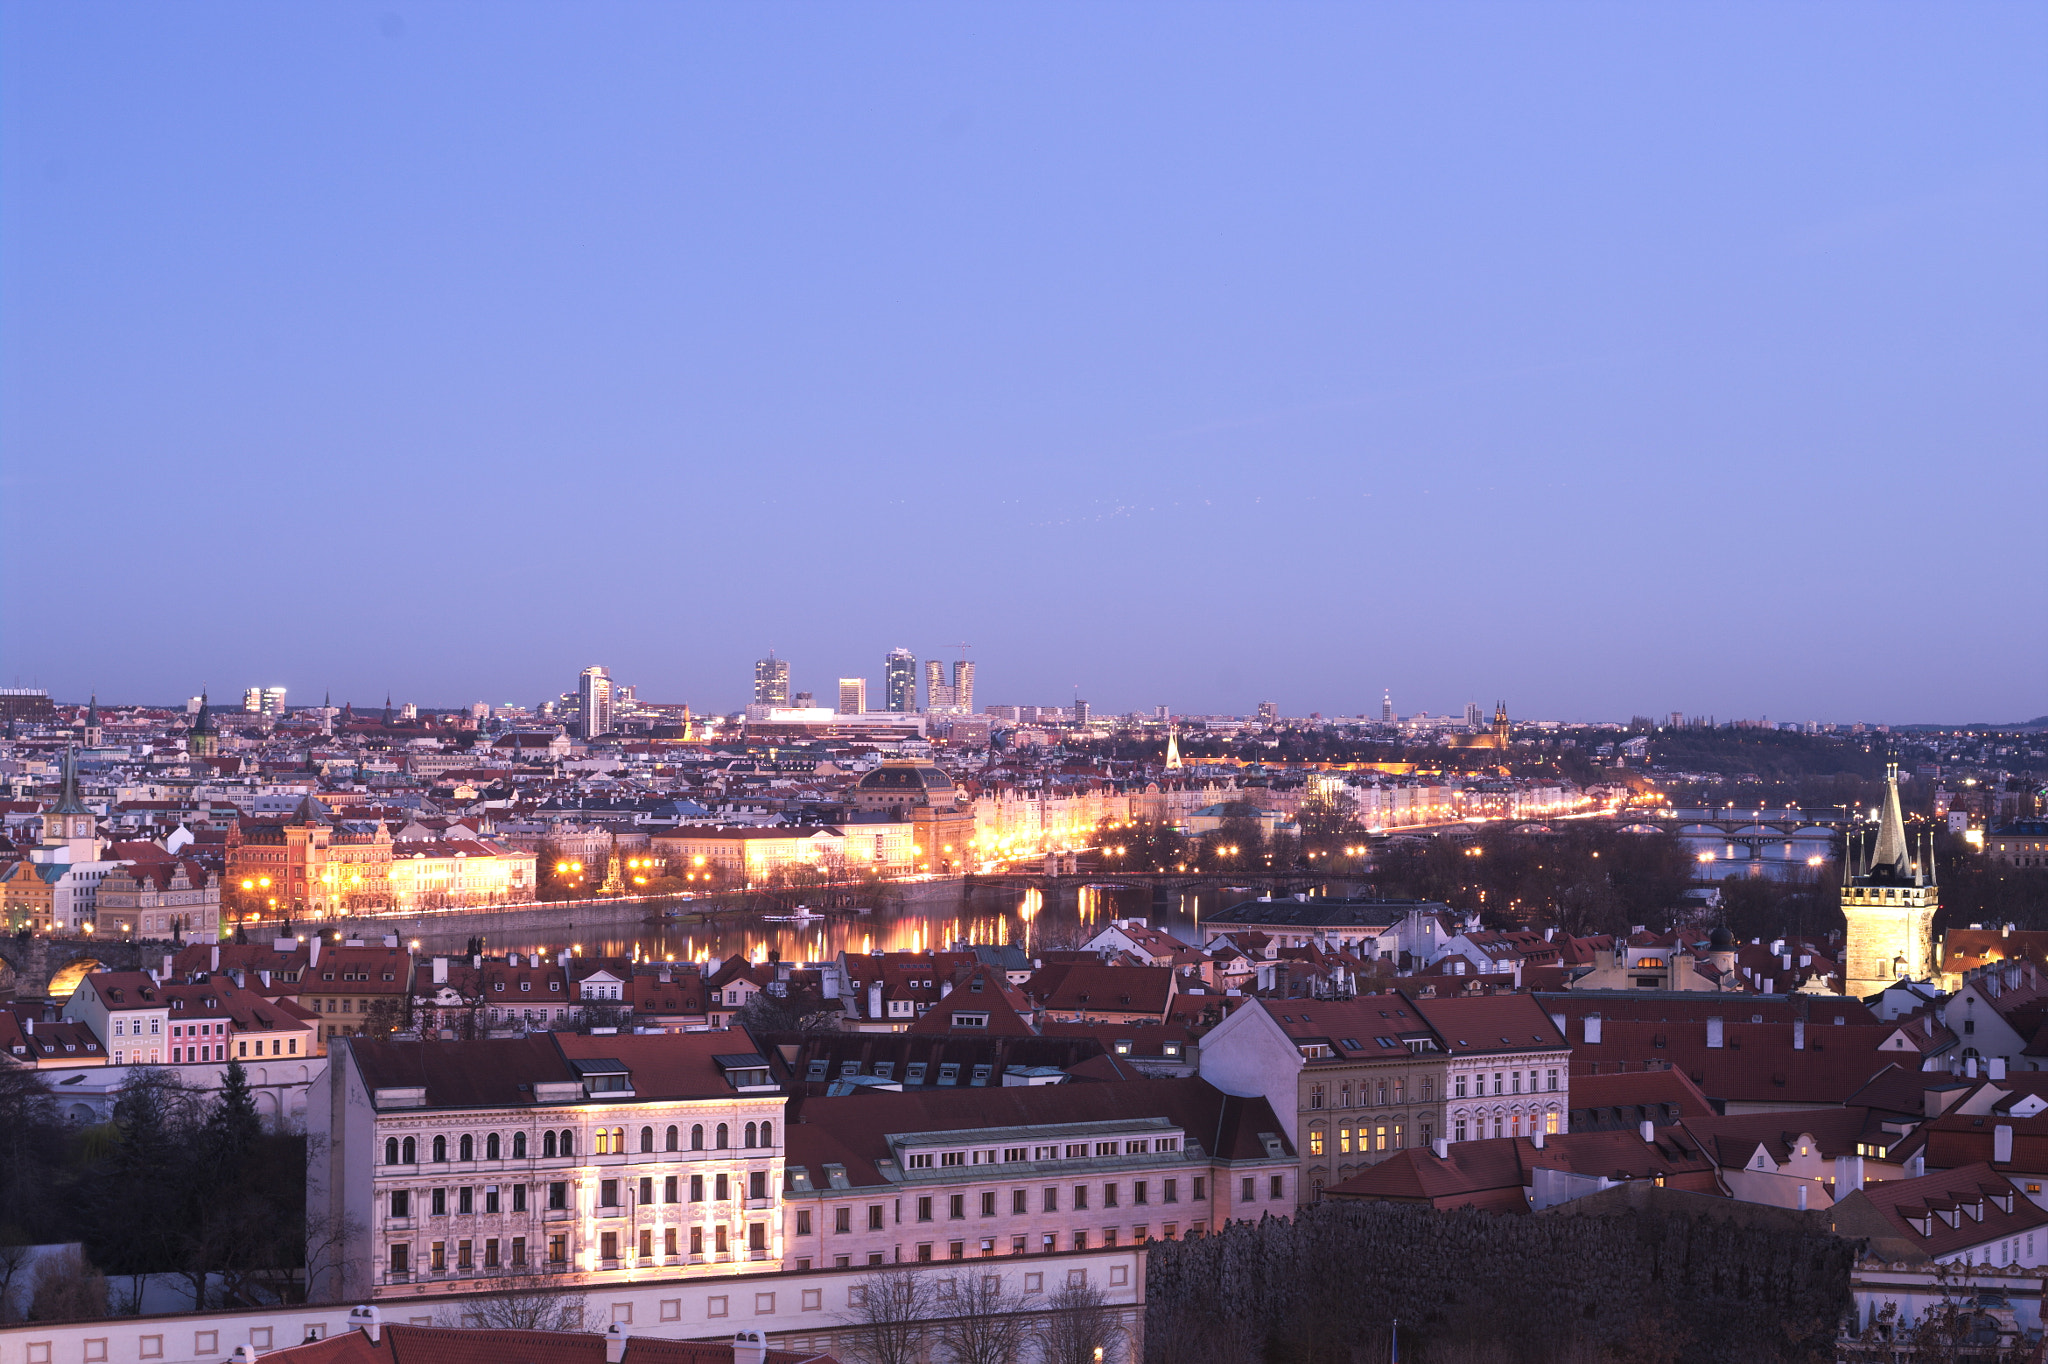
<point>1031,919</point>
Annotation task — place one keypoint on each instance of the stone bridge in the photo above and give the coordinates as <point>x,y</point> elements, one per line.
<point>35,964</point>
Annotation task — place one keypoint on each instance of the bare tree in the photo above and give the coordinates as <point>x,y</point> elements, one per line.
<point>66,1287</point>
<point>1079,1327</point>
<point>982,1323</point>
<point>13,1259</point>
<point>519,1300</point>
<point>891,1316</point>
<point>331,1274</point>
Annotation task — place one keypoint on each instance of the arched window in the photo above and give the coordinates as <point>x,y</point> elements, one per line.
<point>697,1136</point>
<point>618,1141</point>
<point>547,1145</point>
<point>391,1150</point>
<point>724,1139</point>
<point>747,1137</point>
<point>671,1138</point>
<point>603,1139</point>
<point>411,1156</point>
<point>568,1142</point>
<point>646,1140</point>
<point>767,1134</point>
<point>440,1150</point>
<point>491,1147</point>
<point>467,1147</point>
<point>519,1146</point>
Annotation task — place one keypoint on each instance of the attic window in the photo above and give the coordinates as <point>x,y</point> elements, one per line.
<point>817,1069</point>
<point>327,976</point>
<point>974,986</point>
<point>1351,1044</point>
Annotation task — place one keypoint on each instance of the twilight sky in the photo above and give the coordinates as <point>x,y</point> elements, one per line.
<point>1605,358</point>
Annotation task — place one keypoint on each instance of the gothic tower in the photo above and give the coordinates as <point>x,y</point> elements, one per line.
<point>1889,899</point>
<point>1501,733</point>
<point>203,740</point>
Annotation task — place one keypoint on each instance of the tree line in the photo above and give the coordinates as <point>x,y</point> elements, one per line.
<point>1469,1286</point>
<point>181,1181</point>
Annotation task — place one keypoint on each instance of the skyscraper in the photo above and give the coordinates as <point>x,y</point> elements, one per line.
<point>771,681</point>
<point>899,680</point>
<point>264,701</point>
<point>594,691</point>
<point>853,695</point>
<point>963,686</point>
<point>1472,717</point>
<point>937,695</point>
<point>1387,708</point>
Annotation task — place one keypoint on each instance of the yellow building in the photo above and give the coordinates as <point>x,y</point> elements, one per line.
<point>442,875</point>
<point>306,868</point>
<point>1889,900</point>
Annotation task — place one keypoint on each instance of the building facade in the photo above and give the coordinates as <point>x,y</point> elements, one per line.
<point>899,680</point>
<point>771,681</point>
<point>555,1159</point>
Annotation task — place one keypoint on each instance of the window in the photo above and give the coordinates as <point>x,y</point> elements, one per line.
<point>646,1189</point>
<point>803,1222</point>
<point>519,1198</point>
<point>440,1150</point>
<point>1051,1200</point>
<point>1315,1096</point>
<point>1550,1078</point>
<point>437,1203</point>
<point>608,1197</point>
<point>668,1189</point>
<point>1458,1083</point>
<point>718,1239</point>
<point>568,1142</point>
<point>491,1198</point>
<point>874,1217</point>
<point>671,1140</point>
<point>696,1241</point>
<point>608,1246</point>
<point>757,1184</point>
<point>491,1252</point>
<point>519,1146</point>
<point>1250,1194</point>
<point>1279,1186</point>
<point>1109,1195</point>
<point>1201,1188</point>
<point>721,1188</point>
<point>465,1200</point>
<point>398,1258</point>
<point>842,1221</point>
<point>696,1188</point>
<point>1458,1129</point>
<point>722,1138</point>
<point>697,1137</point>
<point>466,1148</point>
<point>437,1256</point>
<point>767,1134</point>
<point>668,1242</point>
<point>924,1208</point>
<point>1080,1198</point>
<point>401,1203</point>
<point>646,1141</point>
<point>558,1197</point>
<point>1173,1191</point>
<point>1017,1202</point>
<point>391,1150</point>
<point>462,1256</point>
<point>1140,1192</point>
<point>1315,1143</point>
<point>956,1206</point>
<point>411,1154</point>
<point>491,1147</point>
<point>646,1243</point>
<point>988,1203</point>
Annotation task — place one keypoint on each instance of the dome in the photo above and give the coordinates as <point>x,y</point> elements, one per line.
<point>1721,940</point>
<point>906,777</point>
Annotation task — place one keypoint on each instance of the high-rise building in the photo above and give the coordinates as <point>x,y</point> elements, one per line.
<point>264,701</point>
<point>1387,708</point>
<point>771,681</point>
<point>1889,898</point>
<point>1082,711</point>
<point>937,695</point>
<point>853,695</point>
<point>594,693</point>
<point>963,685</point>
<point>1472,716</point>
<point>899,680</point>
<point>1269,712</point>
<point>803,700</point>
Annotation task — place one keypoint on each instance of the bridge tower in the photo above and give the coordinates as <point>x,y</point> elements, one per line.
<point>1889,901</point>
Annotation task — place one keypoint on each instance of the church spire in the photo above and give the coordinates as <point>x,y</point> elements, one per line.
<point>68,799</point>
<point>1891,830</point>
<point>1173,763</point>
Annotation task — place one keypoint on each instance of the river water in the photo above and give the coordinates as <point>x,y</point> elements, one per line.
<point>937,917</point>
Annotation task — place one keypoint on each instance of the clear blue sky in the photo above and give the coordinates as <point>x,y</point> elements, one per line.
<point>1605,358</point>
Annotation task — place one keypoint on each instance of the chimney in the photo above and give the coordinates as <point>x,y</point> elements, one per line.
<point>244,1354</point>
<point>750,1347</point>
<point>28,1025</point>
<point>391,940</point>
<point>874,999</point>
<point>945,988</point>
<point>1593,1028</point>
<point>1549,934</point>
<point>170,964</point>
<point>1442,1147</point>
<point>615,1344</point>
<point>1536,1138</point>
<point>1785,960</point>
<point>1799,1034</point>
<point>562,959</point>
<point>369,1320</point>
<point>440,970</point>
<point>313,951</point>
<point>1648,1131</point>
<point>1768,982</point>
<point>1969,1068</point>
<point>2001,1144</point>
<point>1994,1067</point>
<point>1714,1032</point>
<point>1558,1021</point>
<point>476,961</point>
<point>215,965</point>
<point>1802,1195</point>
<point>284,945</point>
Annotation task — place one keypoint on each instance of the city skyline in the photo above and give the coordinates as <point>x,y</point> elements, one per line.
<point>1696,347</point>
